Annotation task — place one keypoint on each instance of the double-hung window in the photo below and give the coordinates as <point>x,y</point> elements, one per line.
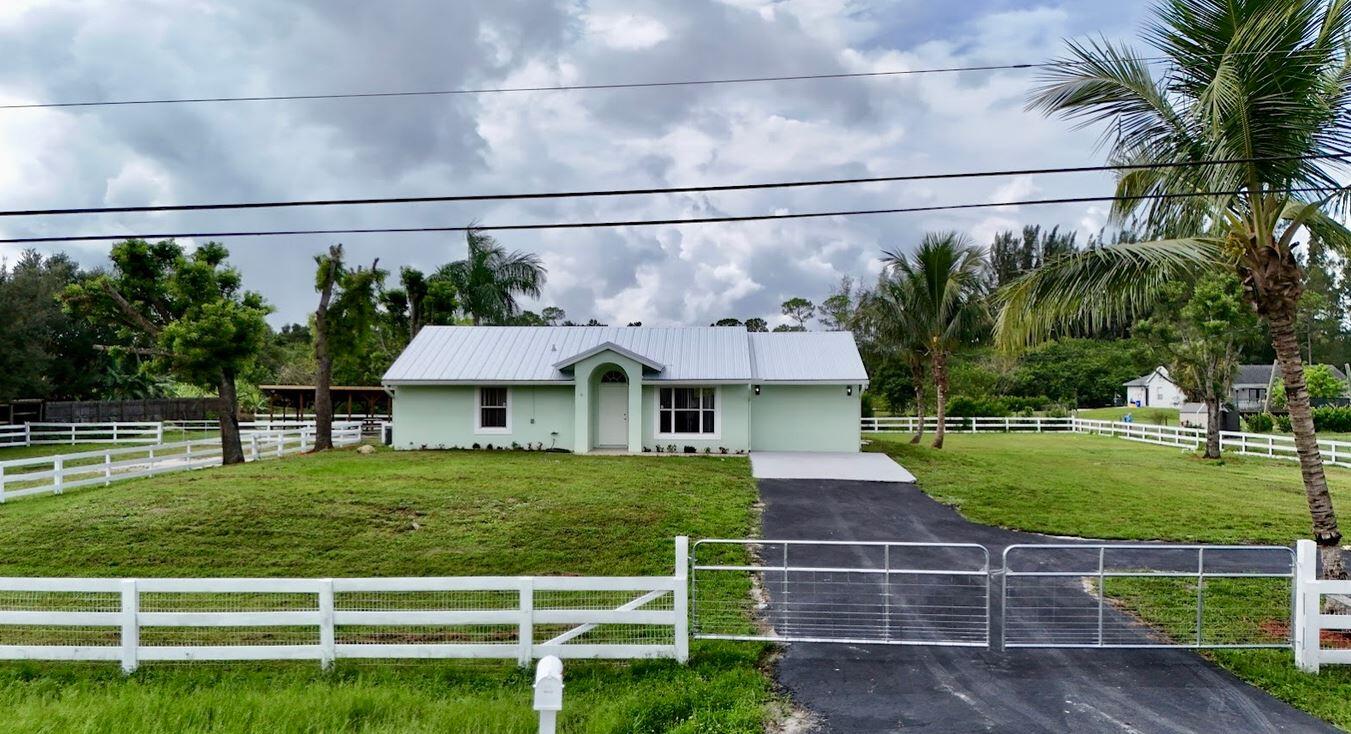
<point>493,412</point>
<point>687,411</point>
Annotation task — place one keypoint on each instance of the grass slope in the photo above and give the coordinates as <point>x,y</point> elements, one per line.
<point>418,514</point>
<point>1110,488</point>
<point>1098,487</point>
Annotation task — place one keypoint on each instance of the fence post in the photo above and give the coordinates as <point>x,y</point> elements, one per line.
<point>681,596</point>
<point>2,485</point>
<point>114,432</point>
<point>131,631</point>
<point>327,635</point>
<point>525,635</point>
<point>27,435</point>
<point>253,446</point>
<point>58,468</point>
<point>1304,618</point>
<point>107,467</point>
<point>159,433</point>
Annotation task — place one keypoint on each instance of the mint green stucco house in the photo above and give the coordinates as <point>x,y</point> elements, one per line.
<point>627,389</point>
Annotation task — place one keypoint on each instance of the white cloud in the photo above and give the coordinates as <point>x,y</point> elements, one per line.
<point>626,32</point>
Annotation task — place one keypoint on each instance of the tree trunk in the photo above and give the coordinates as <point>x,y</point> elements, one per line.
<point>323,360</point>
<point>1325,530</point>
<point>323,393</point>
<point>940,367</point>
<point>917,376</point>
<point>231,451</point>
<point>1212,427</point>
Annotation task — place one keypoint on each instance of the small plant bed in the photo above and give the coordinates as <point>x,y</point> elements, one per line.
<point>1097,487</point>
<point>343,513</point>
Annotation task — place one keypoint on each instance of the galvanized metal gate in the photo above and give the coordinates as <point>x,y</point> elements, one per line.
<point>841,591</point>
<point>1147,596</point>
<point>1070,595</point>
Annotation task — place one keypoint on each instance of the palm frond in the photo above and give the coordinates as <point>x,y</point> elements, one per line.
<point>1098,288</point>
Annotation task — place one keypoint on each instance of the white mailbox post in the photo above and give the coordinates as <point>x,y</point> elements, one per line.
<point>548,692</point>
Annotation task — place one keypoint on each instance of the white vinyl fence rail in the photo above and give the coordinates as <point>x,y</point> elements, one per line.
<point>57,473</point>
<point>12,435</point>
<point>50,434</point>
<point>522,618</point>
<point>1309,619</point>
<point>1268,445</point>
<point>908,424</point>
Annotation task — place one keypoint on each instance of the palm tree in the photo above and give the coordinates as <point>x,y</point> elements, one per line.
<point>889,319</point>
<point>489,279</point>
<point>1263,82</point>
<point>941,284</point>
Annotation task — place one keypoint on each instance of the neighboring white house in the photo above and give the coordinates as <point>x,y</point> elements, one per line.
<point>1252,384</point>
<point>1154,390</point>
<point>631,389</point>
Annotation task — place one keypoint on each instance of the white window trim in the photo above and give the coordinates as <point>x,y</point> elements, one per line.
<point>478,412</point>
<point>716,435</point>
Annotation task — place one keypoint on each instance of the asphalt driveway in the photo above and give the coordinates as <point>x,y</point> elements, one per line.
<point>877,688</point>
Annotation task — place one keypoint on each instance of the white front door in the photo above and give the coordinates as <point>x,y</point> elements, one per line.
<point>613,414</point>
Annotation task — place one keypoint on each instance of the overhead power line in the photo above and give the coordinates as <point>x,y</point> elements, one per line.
<point>569,87</point>
<point>641,222</point>
<point>509,90</point>
<point>656,190</point>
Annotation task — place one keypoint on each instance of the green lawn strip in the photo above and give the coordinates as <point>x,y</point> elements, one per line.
<point>1108,488</point>
<point>390,514</point>
<point>1111,488</point>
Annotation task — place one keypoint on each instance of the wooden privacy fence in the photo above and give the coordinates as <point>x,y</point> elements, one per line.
<point>55,474</point>
<point>522,618</point>
<point>1268,445</point>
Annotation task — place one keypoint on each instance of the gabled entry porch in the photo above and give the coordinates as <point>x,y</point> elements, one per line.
<point>608,393</point>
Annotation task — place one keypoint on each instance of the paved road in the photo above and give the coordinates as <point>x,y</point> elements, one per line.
<point>862,688</point>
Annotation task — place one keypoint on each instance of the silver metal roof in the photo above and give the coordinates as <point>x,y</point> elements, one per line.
<point>485,354</point>
<point>806,356</point>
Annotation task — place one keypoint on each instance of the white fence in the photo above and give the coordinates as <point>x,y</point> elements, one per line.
<point>55,474</point>
<point>908,424</point>
<point>140,620</point>
<point>1268,445</point>
<point>46,434</point>
<point>1310,621</point>
<point>11,435</point>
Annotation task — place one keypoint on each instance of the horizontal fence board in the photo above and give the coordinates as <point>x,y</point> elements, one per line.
<point>429,583</point>
<point>228,619</point>
<point>60,619</point>
<point>155,653</point>
<point>605,652</point>
<point>600,616</point>
<point>84,653</point>
<point>427,652</point>
<point>429,618</point>
<point>230,586</point>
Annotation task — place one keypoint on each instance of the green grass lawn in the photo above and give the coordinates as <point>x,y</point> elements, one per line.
<point>1096,487</point>
<point>388,514</point>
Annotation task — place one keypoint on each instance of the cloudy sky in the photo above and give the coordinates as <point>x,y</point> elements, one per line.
<point>72,50</point>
